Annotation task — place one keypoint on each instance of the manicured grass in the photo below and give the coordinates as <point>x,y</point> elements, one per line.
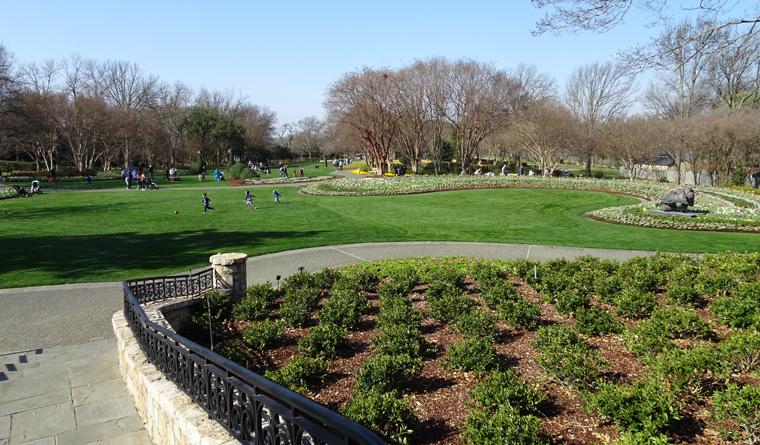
<point>108,236</point>
<point>310,170</point>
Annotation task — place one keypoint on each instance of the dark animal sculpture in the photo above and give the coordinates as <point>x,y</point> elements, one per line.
<point>678,200</point>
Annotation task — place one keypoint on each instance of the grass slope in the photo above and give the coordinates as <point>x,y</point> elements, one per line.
<point>107,236</point>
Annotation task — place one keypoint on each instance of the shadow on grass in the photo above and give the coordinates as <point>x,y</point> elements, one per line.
<point>67,257</point>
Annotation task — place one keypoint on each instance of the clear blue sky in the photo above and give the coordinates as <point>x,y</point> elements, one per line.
<point>284,54</point>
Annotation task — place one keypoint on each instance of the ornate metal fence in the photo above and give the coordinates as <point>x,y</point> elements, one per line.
<point>253,409</point>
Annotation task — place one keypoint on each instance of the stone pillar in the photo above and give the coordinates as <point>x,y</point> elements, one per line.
<point>230,273</point>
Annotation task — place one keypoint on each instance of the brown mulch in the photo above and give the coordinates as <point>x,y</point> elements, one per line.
<point>439,397</point>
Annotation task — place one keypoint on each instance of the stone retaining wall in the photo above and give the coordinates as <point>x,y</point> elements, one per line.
<point>169,415</point>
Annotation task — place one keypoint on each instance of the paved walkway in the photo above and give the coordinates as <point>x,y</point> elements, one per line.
<point>59,378</point>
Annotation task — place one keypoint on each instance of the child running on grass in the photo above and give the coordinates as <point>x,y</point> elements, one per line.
<point>276,197</point>
<point>249,199</point>
<point>206,202</point>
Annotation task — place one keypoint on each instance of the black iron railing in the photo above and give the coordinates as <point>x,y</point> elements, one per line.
<point>253,409</point>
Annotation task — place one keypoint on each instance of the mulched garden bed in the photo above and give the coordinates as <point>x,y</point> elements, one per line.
<point>439,397</point>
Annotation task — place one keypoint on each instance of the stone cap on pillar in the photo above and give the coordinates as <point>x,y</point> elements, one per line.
<point>228,259</point>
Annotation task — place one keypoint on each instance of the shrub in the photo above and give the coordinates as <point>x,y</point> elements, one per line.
<point>552,284</point>
<point>570,301</point>
<point>452,277</point>
<point>743,350</point>
<point>215,308</point>
<point>404,278</point>
<point>326,278</point>
<point>365,279</point>
<point>741,405</point>
<point>497,293</point>
<point>248,173</point>
<point>441,289</point>
<point>505,388</point>
<point>680,323</point>
<point>297,281</point>
<point>234,171</point>
<point>263,334</point>
<point>643,407</point>
<point>388,373</point>
<point>257,303</point>
<point>325,341</point>
<point>735,311</point>
<point>476,323</point>
<point>233,351</point>
<point>385,413</point>
<point>594,321</point>
<point>398,311</point>
<point>301,374</point>
<point>503,426</point>
<point>345,309</point>
<point>294,314</point>
<point>687,294</point>
<point>306,296</point>
<point>520,313</point>
<point>449,306</point>
<point>400,340</point>
<point>471,355</point>
<point>487,274</point>
<point>607,288</point>
<point>689,372</point>
<point>566,357</point>
<point>634,303</point>
<point>393,289</point>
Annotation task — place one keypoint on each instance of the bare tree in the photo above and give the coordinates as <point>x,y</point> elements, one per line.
<point>173,106</point>
<point>37,123</point>
<point>546,132</point>
<point>633,142</point>
<point>366,101</point>
<point>41,78</point>
<point>679,62</point>
<point>724,140</point>
<point>75,70</point>
<point>123,85</point>
<point>601,16</point>
<point>309,137</point>
<point>478,104</point>
<point>596,93</point>
<point>433,74</point>
<point>259,123</point>
<point>226,102</point>
<point>7,77</point>
<point>415,125</point>
<point>84,122</point>
<point>733,72</point>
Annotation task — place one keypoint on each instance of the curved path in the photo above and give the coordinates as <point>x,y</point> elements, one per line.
<point>59,378</point>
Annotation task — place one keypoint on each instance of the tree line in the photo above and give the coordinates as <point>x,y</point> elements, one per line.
<point>102,115</point>
<point>698,112</point>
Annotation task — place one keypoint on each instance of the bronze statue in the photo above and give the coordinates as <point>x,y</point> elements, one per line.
<point>678,200</point>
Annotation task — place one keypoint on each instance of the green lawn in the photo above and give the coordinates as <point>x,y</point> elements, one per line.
<point>310,170</point>
<point>108,236</point>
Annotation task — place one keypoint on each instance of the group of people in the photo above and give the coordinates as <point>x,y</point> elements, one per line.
<point>248,200</point>
<point>172,174</point>
<point>143,180</point>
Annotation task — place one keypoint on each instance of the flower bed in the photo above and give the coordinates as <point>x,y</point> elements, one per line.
<point>458,350</point>
<point>265,181</point>
<point>728,209</point>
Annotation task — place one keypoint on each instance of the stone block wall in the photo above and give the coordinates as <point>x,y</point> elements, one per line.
<point>170,416</point>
